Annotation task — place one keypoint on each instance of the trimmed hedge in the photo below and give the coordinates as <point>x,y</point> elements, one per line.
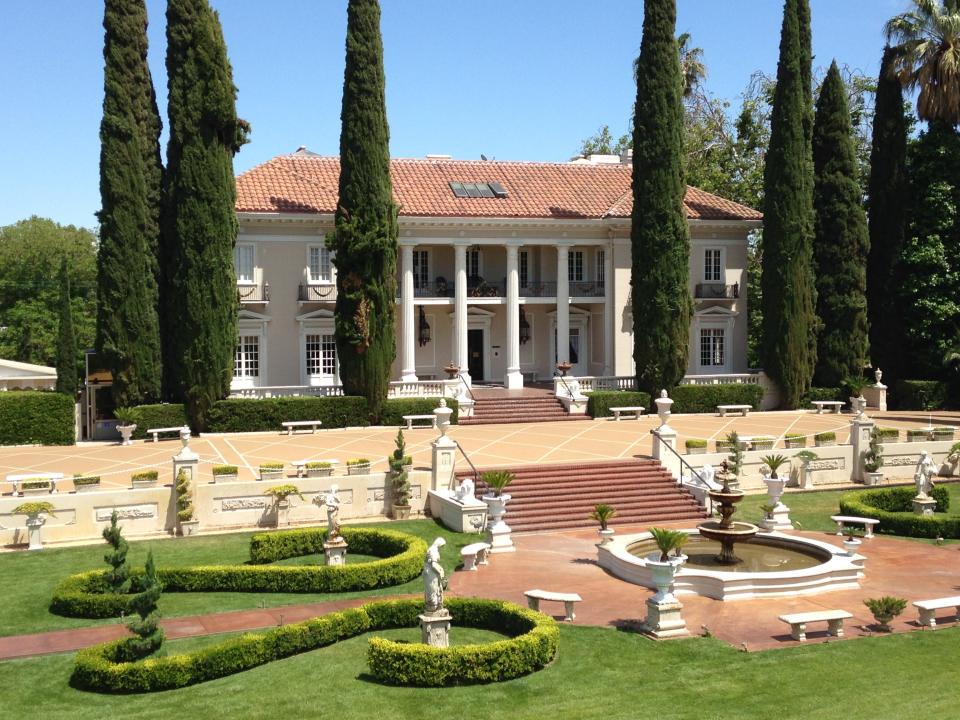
<point>156,416</point>
<point>533,642</point>
<point>395,408</point>
<point>35,417</point>
<point>920,395</point>
<point>822,393</point>
<point>86,594</point>
<point>705,398</point>
<point>893,507</point>
<point>600,401</point>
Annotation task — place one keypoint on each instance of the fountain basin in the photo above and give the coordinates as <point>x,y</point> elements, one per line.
<point>822,568</point>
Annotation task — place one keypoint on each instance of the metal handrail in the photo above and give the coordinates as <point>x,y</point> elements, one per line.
<point>653,431</point>
<point>467,386</point>
<point>476,473</point>
<point>564,381</point>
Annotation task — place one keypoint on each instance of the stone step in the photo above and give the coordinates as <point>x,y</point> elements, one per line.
<point>514,419</point>
<point>649,519</point>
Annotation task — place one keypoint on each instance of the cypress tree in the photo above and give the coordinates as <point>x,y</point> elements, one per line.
<point>128,333</point>
<point>66,339</point>
<point>199,222</point>
<point>789,319</point>
<point>659,234</point>
<point>118,576</point>
<point>841,242</point>
<point>888,191</point>
<point>365,239</point>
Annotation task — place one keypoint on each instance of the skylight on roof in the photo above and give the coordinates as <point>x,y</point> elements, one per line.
<point>478,190</point>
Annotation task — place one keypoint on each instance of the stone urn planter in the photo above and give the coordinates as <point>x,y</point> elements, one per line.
<point>564,368</point>
<point>872,478</point>
<point>498,532</point>
<point>400,512</point>
<point>358,468</point>
<point>852,545</point>
<point>189,527</point>
<point>283,512</point>
<point>126,433</point>
<point>452,371</point>
<point>663,573</point>
<point>606,536</point>
<point>34,523</point>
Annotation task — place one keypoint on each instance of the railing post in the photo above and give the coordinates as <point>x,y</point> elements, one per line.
<point>666,436</point>
<point>444,451</point>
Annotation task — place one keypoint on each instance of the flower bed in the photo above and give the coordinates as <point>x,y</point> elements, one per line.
<point>531,644</point>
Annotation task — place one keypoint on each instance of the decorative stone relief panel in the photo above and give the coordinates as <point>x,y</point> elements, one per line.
<point>901,460</point>
<point>837,464</point>
<point>244,503</point>
<point>126,512</point>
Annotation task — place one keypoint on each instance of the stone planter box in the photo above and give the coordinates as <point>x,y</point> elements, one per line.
<point>825,443</point>
<point>763,444</point>
<point>319,472</point>
<point>917,437</point>
<point>189,527</point>
<point>143,483</point>
<point>232,477</point>
<point>400,512</point>
<point>697,450</point>
<point>28,492</point>
<point>943,434</point>
<point>872,478</point>
<point>794,443</point>
<point>358,469</point>
<point>87,487</point>
<point>271,474</point>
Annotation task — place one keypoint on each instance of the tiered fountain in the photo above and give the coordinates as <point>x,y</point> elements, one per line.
<point>726,531</point>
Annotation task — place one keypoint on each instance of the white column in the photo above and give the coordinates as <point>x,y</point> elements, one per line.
<point>460,312</point>
<point>609,364</point>
<point>408,361</point>
<point>563,305</point>
<point>513,378</point>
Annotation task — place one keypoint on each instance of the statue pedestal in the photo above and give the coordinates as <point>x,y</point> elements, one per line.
<point>435,629</point>
<point>780,519</point>
<point>34,524</point>
<point>664,620</point>
<point>336,551</point>
<point>923,506</point>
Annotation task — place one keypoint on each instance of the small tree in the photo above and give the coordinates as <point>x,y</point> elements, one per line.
<point>184,496</point>
<point>873,455</point>
<point>146,627</point>
<point>400,482</point>
<point>118,576</point>
<point>735,458</point>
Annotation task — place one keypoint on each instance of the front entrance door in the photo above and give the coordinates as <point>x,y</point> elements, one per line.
<point>475,354</point>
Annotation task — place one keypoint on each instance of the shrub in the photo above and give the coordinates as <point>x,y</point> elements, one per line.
<point>318,465</point>
<point>184,496</point>
<point>149,634</point>
<point>224,469</point>
<point>153,416</point>
<point>599,402</point>
<point>915,433</point>
<point>888,433</point>
<point>87,594</point>
<point>266,414</point>
<point>885,609</point>
<point>705,398</point>
<point>357,461</point>
<point>823,393</point>
<point>919,395</point>
<point>272,465</point>
<point>533,641</point>
<point>35,484</point>
<point>695,443</point>
<point>282,492</point>
<point>34,508</point>
<point>893,507</point>
<point>36,417</point>
<point>873,455</point>
<point>118,576</point>
<point>825,437</point>
<point>395,408</point>
<point>145,475</point>
<point>86,480</point>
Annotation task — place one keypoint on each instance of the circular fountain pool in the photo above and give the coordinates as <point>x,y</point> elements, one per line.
<point>774,565</point>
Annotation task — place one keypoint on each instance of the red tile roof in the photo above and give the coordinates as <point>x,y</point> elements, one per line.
<point>307,183</point>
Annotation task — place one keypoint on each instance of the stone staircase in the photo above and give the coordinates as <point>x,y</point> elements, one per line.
<point>549,497</point>
<point>540,408</point>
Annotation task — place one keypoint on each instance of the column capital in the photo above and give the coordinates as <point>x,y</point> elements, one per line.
<point>408,244</point>
<point>512,252</point>
<point>463,242</point>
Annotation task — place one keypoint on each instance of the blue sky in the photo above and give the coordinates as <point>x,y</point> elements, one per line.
<point>512,79</point>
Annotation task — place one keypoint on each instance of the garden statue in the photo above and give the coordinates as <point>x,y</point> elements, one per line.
<point>466,490</point>
<point>332,503</point>
<point>706,474</point>
<point>923,475</point>
<point>433,579</point>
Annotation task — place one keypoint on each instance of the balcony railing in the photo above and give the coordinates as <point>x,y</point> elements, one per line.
<point>317,293</point>
<point>589,288</point>
<point>717,291</point>
<point>253,293</point>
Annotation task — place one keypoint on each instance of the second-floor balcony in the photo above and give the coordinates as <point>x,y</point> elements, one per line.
<point>253,293</point>
<point>478,287</point>
<point>326,292</point>
<point>717,291</point>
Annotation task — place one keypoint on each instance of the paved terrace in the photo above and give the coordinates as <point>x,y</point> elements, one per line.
<point>487,445</point>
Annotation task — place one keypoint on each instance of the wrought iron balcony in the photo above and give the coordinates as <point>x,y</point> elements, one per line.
<point>589,288</point>
<point>717,291</point>
<point>317,293</point>
<point>251,293</point>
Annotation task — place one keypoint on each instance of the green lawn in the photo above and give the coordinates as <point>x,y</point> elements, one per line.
<point>599,673</point>
<point>28,578</point>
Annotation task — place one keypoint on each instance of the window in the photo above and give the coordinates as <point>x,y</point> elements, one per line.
<point>575,266</point>
<point>600,271</point>
<point>421,269</point>
<point>320,266</point>
<point>243,260</point>
<point>712,350</point>
<point>247,363</point>
<point>713,265</point>
<point>473,263</point>
<point>524,268</point>
<point>321,355</point>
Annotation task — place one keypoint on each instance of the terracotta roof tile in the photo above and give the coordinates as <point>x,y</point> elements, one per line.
<point>307,183</point>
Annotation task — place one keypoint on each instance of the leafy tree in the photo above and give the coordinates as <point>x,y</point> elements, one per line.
<point>888,192</point>
<point>66,339</point>
<point>927,56</point>
<point>659,233</point>
<point>365,239</point>
<point>602,143</point>
<point>841,241</point>
<point>199,297</point>
<point>30,291</point>
<point>118,576</point>
<point>789,320</point>
<point>146,627</point>
<point>128,332</point>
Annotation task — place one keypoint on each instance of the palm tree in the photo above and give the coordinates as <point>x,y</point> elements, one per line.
<point>692,67</point>
<point>926,40</point>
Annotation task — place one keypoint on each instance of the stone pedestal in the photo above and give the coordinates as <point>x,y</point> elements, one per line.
<point>435,629</point>
<point>664,620</point>
<point>498,532</point>
<point>336,552</point>
<point>860,429</point>
<point>33,532</point>
<point>444,463</point>
<point>779,519</point>
<point>283,513</point>
<point>924,505</point>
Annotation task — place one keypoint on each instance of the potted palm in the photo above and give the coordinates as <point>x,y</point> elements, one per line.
<point>603,513</point>
<point>885,609</point>
<point>768,520</point>
<point>35,520</point>
<point>188,525</point>
<point>873,460</point>
<point>498,532</point>
<point>775,485</point>
<point>664,569</point>
<point>126,426</point>
<point>851,543</point>
<point>224,473</point>
<point>271,470</point>
<point>858,403</point>
<point>281,501</point>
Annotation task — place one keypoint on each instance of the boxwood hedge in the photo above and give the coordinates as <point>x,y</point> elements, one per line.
<point>29,417</point>
<point>894,509</point>
<point>920,395</point>
<point>86,594</point>
<point>532,643</point>
<point>705,398</point>
<point>156,416</point>
<point>600,402</point>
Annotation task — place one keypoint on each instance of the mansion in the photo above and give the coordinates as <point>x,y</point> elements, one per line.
<point>497,261</point>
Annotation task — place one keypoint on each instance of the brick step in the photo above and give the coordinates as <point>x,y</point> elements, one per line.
<point>598,465</point>
<point>631,519</point>
<point>551,412</point>
<point>517,419</point>
<point>550,483</point>
<point>593,495</point>
<point>623,510</point>
<point>543,477</point>
<point>574,487</point>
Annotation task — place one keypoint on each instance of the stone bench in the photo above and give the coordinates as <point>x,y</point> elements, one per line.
<point>535,597</point>
<point>291,425</point>
<point>928,609</point>
<point>156,432</point>
<point>867,523</point>
<point>635,409</point>
<point>834,405</point>
<point>475,554</point>
<point>432,419</point>
<point>798,622</point>
<point>742,409</point>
